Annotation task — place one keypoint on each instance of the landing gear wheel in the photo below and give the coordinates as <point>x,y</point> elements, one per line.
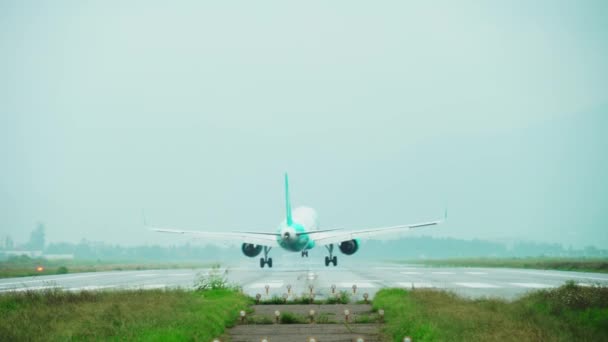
<point>266,260</point>
<point>331,259</point>
<point>304,254</point>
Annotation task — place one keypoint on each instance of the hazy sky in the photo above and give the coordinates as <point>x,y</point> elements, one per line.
<point>382,112</point>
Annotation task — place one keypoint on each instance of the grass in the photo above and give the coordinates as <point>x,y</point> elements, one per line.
<point>342,297</point>
<point>599,265</point>
<point>24,266</point>
<point>152,315</point>
<point>292,318</point>
<point>568,313</point>
<point>274,300</point>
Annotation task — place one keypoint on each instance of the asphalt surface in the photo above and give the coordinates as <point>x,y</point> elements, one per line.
<point>302,274</point>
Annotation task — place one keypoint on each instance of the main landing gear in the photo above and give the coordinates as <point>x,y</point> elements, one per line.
<point>304,254</point>
<point>331,259</point>
<point>266,260</point>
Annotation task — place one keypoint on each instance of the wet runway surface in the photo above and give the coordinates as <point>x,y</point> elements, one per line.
<point>301,275</point>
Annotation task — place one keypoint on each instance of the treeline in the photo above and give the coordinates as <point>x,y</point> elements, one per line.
<point>100,251</point>
<point>427,247</point>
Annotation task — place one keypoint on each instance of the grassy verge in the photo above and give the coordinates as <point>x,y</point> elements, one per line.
<point>342,297</point>
<point>562,264</point>
<point>25,266</point>
<point>163,315</point>
<point>568,313</point>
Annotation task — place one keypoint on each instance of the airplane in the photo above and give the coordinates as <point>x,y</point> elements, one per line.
<point>300,232</point>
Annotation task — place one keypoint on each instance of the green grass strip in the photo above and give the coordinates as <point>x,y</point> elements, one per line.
<point>568,313</point>
<point>151,315</point>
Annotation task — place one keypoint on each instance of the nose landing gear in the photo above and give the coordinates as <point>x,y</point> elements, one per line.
<point>331,259</point>
<point>266,260</point>
<point>304,254</point>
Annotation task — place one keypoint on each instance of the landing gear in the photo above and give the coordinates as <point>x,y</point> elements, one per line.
<point>331,259</point>
<point>266,260</point>
<point>304,254</point>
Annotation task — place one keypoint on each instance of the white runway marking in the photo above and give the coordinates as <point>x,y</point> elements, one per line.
<point>478,285</point>
<point>571,276</point>
<point>147,275</point>
<point>410,272</point>
<point>151,286</point>
<point>416,285</point>
<point>91,287</point>
<point>180,274</point>
<point>51,279</point>
<point>589,285</point>
<point>33,288</point>
<point>359,285</point>
<point>443,273</point>
<point>274,285</point>
<point>533,285</point>
<point>476,273</point>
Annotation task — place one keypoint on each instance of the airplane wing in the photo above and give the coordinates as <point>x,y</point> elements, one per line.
<point>338,236</point>
<point>262,239</point>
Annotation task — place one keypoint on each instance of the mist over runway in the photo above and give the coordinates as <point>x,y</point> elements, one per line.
<point>367,277</point>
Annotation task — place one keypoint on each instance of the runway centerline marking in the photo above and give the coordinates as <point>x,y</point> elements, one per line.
<point>476,273</point>
<point>443,273</point>
<point>478,285</point>
<point>409,273</point>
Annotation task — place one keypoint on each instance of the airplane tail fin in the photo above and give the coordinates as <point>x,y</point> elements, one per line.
<point>287,202</point>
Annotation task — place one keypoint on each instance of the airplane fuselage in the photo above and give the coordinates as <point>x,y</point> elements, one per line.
<point>293,237</point>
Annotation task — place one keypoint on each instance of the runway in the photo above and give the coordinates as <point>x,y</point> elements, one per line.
<point>367,277</point>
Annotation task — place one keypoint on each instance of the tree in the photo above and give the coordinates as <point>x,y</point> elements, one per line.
<point>37,238</point>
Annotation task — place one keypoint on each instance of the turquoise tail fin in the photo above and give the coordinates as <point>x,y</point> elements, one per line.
<point>287,202</point>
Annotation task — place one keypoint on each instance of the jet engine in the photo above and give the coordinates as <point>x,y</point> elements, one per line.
<point>251,250</point>
<point>349,247</point>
